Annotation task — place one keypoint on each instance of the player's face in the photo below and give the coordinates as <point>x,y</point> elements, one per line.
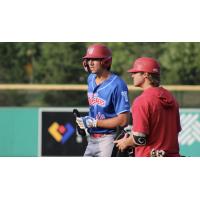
<point>138,79</point>
<point>95,65</point>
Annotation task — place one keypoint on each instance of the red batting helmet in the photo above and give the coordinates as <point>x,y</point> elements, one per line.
<point>99,51</point>
<point>145,64</point>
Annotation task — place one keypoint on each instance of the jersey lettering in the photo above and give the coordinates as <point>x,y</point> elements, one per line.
<point>100,116</point>
<point>125,95</point>
<point>93,99</point>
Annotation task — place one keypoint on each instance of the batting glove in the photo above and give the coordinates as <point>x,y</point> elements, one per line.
<point>86,122</point>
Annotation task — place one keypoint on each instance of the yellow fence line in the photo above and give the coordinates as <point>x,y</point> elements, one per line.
<point>42,87</point>
<point>173,87</point>
<point>70,87</point>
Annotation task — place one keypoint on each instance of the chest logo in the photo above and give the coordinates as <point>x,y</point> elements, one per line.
<point>95,100</point>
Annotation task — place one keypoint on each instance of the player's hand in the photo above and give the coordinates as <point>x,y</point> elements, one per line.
<point>86,122</point>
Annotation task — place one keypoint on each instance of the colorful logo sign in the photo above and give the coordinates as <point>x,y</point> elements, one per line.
<point>61,133</point>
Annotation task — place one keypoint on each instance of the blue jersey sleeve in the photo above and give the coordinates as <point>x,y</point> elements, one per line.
<point>120,98</point>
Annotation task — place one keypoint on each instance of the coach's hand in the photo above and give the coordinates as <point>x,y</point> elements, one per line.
<point>124,142</point>
<point>86,122</point>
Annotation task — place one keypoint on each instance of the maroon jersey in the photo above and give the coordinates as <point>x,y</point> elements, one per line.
<point>156,113</point>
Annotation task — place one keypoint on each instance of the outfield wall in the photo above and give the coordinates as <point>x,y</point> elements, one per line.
<point>18,132</point>
<point>52,132</point>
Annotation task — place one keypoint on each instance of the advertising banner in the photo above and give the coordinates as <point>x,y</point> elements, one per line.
<point>58,132</point>
<point>189,137</point>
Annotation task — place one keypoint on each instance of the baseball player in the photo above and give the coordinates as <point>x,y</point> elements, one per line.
<point>108,102</point>
<point>155,113</point>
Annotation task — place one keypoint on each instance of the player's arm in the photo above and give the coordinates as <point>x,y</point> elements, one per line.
<point>89,122</point>
<point>135,139</point>
<point>120,120</point>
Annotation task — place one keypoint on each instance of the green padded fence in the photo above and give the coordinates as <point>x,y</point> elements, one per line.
<point>18,131</point>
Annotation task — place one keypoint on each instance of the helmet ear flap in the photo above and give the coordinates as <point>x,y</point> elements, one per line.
<point>106,62</point>
<point>85,65</point>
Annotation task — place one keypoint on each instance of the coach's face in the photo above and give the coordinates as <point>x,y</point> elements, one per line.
<point>94,65</point>
<point>138,79</point>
